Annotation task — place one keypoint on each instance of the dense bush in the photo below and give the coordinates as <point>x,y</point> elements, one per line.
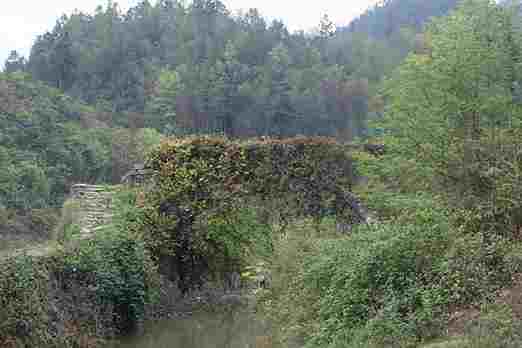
<point>388,286</point>
<point>122,272</point>
<point>24,298</point>
<point>111,270</point>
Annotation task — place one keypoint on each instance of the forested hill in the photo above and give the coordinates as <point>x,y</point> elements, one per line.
<point>198,68</point>
<point>388,17</point>
<point>48,141</point>
<point>43,147</point>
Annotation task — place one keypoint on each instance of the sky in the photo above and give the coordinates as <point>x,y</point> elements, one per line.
<point>22,21</point>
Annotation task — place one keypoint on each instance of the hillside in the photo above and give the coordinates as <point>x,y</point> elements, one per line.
<point>196,68</point>
<point>179,69</point>
<point>44,146</point>
<point>389,17</point>
<point>50,141</point>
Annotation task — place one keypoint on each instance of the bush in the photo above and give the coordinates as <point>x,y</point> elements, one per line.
<point>475,268</point>
<point>391,285</point>
<point>495,328</point>
<point>67,224</point>
<point>375,278</point>
<point>23,299</point>
<point>123,273</point>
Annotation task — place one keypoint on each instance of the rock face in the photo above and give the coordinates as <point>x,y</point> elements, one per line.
<point>95,207</point>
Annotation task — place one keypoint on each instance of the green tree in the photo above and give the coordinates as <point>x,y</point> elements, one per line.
<point>161,109</point>
<point>230,75</point>
<point>443,99</point>
<point>15,62</point>
<point>281,113</point>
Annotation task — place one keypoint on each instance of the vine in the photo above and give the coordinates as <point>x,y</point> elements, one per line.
<point>209,193</point>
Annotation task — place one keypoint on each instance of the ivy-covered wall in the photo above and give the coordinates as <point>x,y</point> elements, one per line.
<point>215,202</point>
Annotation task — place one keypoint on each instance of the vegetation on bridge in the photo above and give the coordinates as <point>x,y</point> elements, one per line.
<point>213,201</point>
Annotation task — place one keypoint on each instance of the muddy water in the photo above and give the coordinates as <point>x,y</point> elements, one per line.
<point>218,329</point>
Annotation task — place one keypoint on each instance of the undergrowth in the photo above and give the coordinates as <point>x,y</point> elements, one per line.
<point>397,282</point>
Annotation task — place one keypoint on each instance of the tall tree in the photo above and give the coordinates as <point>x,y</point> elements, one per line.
<point>281,113</point>
<point>15,62</point>
<point>161,109</point>
<point>230,76</point>
<point>445,96</point>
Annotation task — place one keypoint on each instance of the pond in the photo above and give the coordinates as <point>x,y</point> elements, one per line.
<point>236,328</point>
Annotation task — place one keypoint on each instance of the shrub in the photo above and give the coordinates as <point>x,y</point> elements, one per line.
<point>495,328</point>
<point>391,285</point>
<point>67,224</point>
<point>23,299</point>
<point>123,273</point>
<point>385,273</point>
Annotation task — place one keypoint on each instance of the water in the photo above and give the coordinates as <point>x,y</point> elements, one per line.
<point>221,329</point>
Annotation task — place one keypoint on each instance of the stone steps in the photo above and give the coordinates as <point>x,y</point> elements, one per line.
<point>95,207</point>
<point>95,212</point>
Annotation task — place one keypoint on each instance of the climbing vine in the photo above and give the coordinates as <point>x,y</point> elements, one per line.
<point>209,193</point>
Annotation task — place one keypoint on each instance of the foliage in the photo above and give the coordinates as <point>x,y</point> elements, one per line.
<point>497,326</point>
<point>49,141</point>
<point>67,226</point>
<point>118,263</point>
<point>23,296</point>
<point>290,305</point>
<point>214,200</point>
<point>43,147</point>
<point>120,266</point>
<point>388,17</point>
<point>196,68</point>
<point>460,121</point>
<point>112,269</point>
<point>445,190</point>
<point>388,286</point>
<point>20,229</point>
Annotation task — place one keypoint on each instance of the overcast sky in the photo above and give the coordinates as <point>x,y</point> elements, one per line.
<point>22,21</point>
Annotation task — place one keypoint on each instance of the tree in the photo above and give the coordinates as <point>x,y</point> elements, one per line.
<point>388,17</point>
<point>229,78</point>
<point>161,109</point>
<point>281,113</point>
<point>63,58</point>
<point>15,62</point>
<point>443,98</point>
<point>326,28</point>
<point>354,102</point>
<point>230,74</point>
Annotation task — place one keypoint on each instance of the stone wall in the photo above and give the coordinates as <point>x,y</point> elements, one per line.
<point>95,205</point>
